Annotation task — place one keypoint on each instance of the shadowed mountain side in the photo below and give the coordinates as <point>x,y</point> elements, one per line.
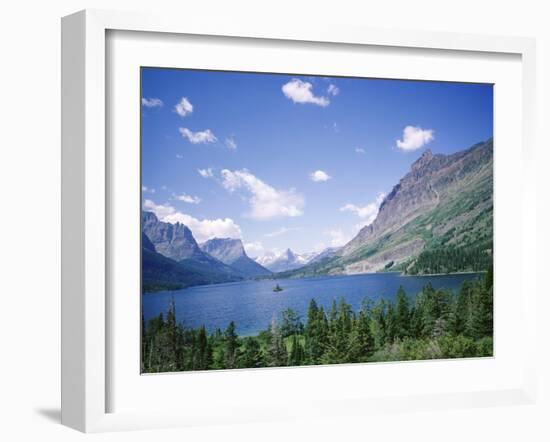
<point>162,273</point>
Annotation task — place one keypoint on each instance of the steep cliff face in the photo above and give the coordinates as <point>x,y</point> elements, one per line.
<point>227,250</point>
<point>445,202</point>
<point>175,241</point>
<point>231,251</point>
<point>412,196</point>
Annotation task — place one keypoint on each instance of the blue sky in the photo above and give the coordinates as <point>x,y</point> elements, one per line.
<point>292,160</point>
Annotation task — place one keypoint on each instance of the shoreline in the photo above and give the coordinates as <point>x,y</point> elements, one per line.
<point>446,274</point>
<point>401,275</point>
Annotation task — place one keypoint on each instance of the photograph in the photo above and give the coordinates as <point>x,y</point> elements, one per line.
<point>298,219</point>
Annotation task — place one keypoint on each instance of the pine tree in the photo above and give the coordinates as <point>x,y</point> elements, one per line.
<point>340,342</point>
<point>203,350</point>
<point>482,315</point>
<point>402,315</point>
<point>460,319</point>
<point>313,331</point>
<point>296,356</point>
<point>391,324</point>
<point>434,305</point>
<point>323,329</point>
<point>277,349</point>
<point>378,323</point>
<point>251,356</point>
<point>291,323</point>
<point>362,338</point>
<point>231,346</point>
<point>172,337</point>
<point>416,322</point>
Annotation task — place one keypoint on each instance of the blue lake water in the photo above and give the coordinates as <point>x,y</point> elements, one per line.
<point>253,304</point>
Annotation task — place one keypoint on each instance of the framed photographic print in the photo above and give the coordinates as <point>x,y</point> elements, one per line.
<point>253,210</point>
<point>300,226</point>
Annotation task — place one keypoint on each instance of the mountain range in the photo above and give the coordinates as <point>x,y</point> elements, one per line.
<point>437,219</point>
<point>162,273</point>
<point>283,261</point>
<point>172,258</point>
<point>289,260</point>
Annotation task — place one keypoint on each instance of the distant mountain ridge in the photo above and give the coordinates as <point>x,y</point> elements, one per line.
<point>231,251</point>
<point>287,260</point>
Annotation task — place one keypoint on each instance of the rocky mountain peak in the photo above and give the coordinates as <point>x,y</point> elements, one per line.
<point>148,218</point>
<point>290,254</point>
<point>231,251</point>
<point>224,249</point>
<point>433,180</point>
<point>174,241</point>
<point>423,161</point>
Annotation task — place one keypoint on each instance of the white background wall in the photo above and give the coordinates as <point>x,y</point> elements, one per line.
<point>30,205</point>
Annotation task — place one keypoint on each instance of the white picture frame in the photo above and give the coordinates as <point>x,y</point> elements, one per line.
<point>85,201</point>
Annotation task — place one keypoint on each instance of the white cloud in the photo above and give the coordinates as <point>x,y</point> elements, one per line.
<point>147,189</point>
<point>187,198</point>
<point>203,230</point>
<point>254,249</point>
<point>231,143</point>
<point>359,150</point>
<point>266,202</point>
<point>151,102</point>
<point>160,210</point>
<point>184,107</point>
<point>338,237</point>
<point>202,137</point>
<point>301,92</point>
<point>333,90</point>
<point>367,213</point>
<point>206,173</point>
<point>319,176</point>
<point>414,138</point>
<point>281,231</point>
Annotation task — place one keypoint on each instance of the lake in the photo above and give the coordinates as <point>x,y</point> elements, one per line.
<point>253,304</point>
